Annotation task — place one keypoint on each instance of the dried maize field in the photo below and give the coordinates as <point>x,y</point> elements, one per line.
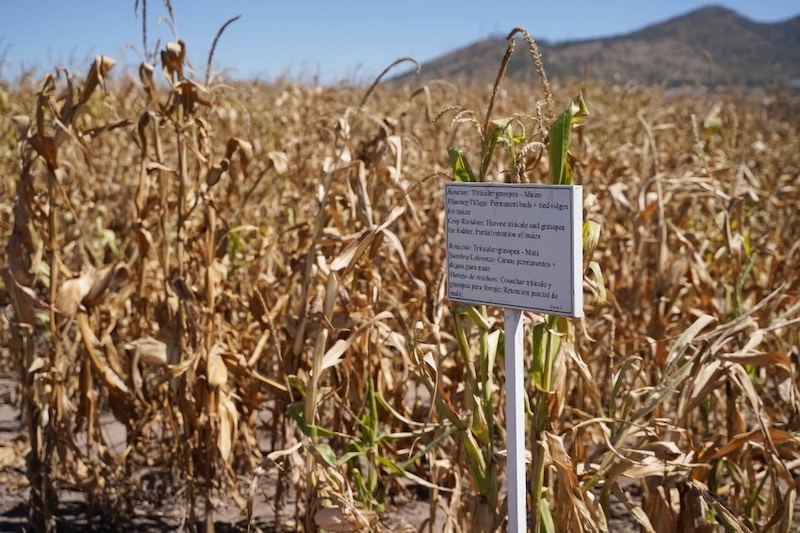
<point>223,307</point>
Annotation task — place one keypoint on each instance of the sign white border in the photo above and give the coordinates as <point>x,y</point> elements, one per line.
<point>484,219</point>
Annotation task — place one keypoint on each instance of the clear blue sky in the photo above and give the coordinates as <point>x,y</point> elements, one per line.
<point>332,39</point>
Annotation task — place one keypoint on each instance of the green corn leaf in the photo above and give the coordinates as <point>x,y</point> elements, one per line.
<point>396,469</point>
<point>748,243</point>
<point>396,414</point>
<point>370,418</point>
<point>548,524</point>
<point>367,432</point>
<point>373,480</point>
<point>363,492</point>
<point>356,448</point>
<point>537,362</point>
<point>748,268</point>
<point>480,426</point>
<point>347,457</point>
<point>326,452</point>
<point>108,239</point>
<point>493,345</point>
<point>296,412</point>
<point>477,317</point>
<point>494,133</point>
<point>390,465</point>
<point>297,384</point>
<point>464,348</point>
<point>477,463</point>
<point>558,146</point>
<point>461,169</point>
<point>433,444</point>
<point>547,338</point>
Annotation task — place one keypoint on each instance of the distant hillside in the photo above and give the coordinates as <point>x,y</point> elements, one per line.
<point>709,46</point>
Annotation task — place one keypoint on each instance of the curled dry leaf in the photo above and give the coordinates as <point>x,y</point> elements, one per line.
<point>192,93</point>
<point>280,162</point>
<point>86,289</point>
<point>334,354</point>
<point>154,165</point>
<point>37,364</point>
<point>349,256</point>
<point>97,73</point>
<point>217,371</point>
<point>228,422</point>
<point>213,175</point>
<point>73,291</point>
<point>102,280</point>
<point>149,351</point>
<point>759,359</point>
<point>776,436</point>
<point>172,60</point>
<point>146,71</point>
<point>244,149</point>
<point>581,513</point>
<point>23,125</point>
<point>23,298</point>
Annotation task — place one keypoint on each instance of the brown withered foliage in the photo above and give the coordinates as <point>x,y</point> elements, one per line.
<point>248,280</point>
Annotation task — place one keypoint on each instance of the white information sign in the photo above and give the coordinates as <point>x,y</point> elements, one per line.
<point>515,246</point>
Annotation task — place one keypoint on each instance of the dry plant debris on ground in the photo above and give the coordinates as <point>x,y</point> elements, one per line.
<point>223,303</point>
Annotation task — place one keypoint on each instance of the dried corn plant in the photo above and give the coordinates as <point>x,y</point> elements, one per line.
<point>246,281</point>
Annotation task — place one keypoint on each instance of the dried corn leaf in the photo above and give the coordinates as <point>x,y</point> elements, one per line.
<point>24,299</point>
<point>579,512</point>
<point>37,364</point>
<point>149,351</point>
<point>363,201</point>
<point>636,511</point>
<point>777,436</point>
<point>217,370</point>
<point>347,259</point>
<point>280,162</point>
<point>761,359</point>
<point>172,60</point>
<point>113,380</point>
<point>706,381</point>
<point>213,175</point>
<point>97,74</point>
<point>649,466</point>
<point>102,280</point>
<point>334,354</point>
<point>73,291</point>
<point>682,343</point>
<point>228,422</point>
<point>243,148</point>
<point>23,125</point>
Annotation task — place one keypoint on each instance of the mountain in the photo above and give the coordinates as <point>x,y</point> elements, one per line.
<point>710,46</point>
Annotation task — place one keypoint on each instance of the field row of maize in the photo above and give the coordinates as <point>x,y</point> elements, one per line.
<point>247,282</point>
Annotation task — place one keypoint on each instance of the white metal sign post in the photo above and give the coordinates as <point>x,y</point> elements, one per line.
<point>515,420</point>
<point>519,247</point>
